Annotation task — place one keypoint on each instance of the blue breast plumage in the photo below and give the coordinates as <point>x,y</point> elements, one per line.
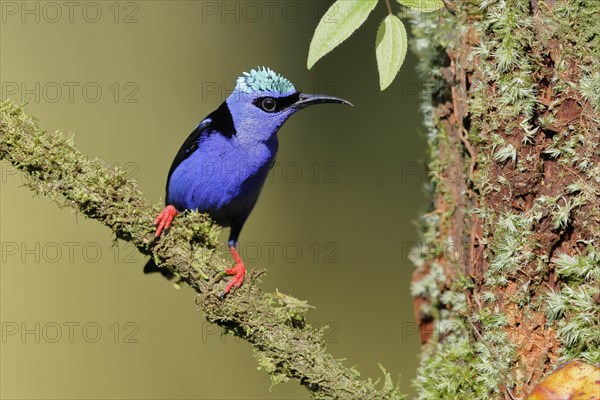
<point>220,176</point>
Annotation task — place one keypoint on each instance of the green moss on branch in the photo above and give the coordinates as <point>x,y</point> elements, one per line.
<point>285,346</point>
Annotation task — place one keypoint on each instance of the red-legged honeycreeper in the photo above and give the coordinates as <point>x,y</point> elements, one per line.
<point>222,165</point>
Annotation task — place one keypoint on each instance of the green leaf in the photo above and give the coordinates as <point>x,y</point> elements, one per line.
<point>424,6</point>
<point>390,49</point>
<point>338,23</point>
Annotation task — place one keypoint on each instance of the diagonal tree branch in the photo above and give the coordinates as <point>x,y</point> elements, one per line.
<point>284,345</point>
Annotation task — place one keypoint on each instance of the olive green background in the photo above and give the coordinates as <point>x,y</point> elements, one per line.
<point>333,225</point>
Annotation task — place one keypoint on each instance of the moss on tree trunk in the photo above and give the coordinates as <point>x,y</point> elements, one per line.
<point>508,273</point>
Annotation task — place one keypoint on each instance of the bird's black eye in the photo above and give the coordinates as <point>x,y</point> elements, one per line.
<point>268,104</point>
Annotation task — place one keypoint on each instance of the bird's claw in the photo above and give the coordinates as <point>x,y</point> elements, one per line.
<point>164,219</point>
<point>239,272</point>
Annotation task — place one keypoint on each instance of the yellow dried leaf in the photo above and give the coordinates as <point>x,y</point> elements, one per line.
<point>573,380</point>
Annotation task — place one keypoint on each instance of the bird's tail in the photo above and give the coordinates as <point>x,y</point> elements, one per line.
<point>151,267</point>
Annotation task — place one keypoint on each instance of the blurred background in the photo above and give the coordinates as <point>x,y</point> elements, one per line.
<point>333,226</point>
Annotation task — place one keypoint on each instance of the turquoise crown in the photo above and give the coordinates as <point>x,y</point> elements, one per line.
<point>264,80</point>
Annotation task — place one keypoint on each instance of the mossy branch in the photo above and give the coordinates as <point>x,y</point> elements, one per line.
<point>285,346</point>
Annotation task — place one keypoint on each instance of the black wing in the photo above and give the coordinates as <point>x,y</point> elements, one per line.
<point>219,121</point>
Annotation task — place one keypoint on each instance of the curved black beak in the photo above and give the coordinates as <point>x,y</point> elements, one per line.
<point>309,99</point>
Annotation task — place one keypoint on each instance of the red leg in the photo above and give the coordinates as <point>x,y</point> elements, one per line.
<point>238,270</point>
<point>164,219</point>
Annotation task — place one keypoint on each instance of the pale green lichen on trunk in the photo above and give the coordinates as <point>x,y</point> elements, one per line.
<point>529,64</point>
<point>573,203</point>
<point>451,364</point>
<point>574,309</point>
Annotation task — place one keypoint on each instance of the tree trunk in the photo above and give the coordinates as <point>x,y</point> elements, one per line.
<point>508,273</point>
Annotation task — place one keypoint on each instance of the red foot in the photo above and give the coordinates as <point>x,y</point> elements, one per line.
<point>238,271</point>
<point>164,219</point>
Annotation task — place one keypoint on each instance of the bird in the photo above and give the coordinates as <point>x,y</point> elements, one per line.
<point>222,166</point>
